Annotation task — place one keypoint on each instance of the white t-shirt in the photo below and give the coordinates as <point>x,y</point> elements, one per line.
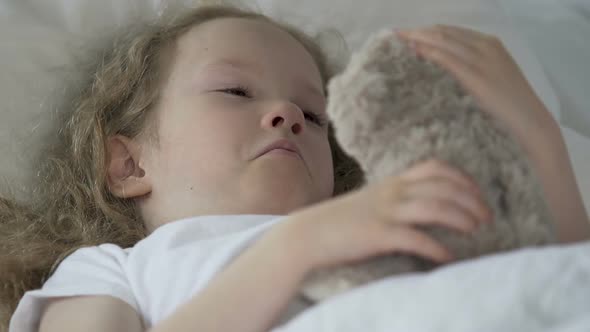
<point>156,275</point>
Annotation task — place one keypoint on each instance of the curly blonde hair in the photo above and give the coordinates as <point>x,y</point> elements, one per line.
<point>70,205</point>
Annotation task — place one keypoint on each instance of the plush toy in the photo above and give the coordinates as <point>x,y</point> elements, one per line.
<point>391,109</point>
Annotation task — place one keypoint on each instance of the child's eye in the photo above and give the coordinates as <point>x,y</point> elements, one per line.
<point>242,91</point>
<point>316,118</point>
<point>239,91</point>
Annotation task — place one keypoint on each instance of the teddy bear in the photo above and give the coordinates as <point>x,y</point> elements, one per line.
<point>391,109</point>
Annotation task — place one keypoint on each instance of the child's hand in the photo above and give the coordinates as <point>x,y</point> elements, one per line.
<point>486,70</point>
<point>378,219</point>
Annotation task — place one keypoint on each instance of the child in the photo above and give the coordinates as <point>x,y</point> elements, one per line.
<point>210,133</point>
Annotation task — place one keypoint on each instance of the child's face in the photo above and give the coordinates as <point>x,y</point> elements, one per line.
<point>236,86</point>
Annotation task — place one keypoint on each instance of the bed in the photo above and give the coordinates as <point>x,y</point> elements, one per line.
<point>527,290</point>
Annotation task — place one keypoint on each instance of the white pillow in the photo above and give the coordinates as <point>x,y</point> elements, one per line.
<point>557,31</point>
<point>39,37</point>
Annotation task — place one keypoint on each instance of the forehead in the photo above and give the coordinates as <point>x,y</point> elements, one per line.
<point>262,45</point>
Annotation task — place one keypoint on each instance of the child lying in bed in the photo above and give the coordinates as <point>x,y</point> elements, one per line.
<point>200,136</point>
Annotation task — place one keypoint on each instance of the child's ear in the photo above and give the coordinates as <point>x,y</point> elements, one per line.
<point>125,175</point>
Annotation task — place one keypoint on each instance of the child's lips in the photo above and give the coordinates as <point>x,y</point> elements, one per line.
<point>284,152</point>
<point>281,146</point>
<point>286,148</point>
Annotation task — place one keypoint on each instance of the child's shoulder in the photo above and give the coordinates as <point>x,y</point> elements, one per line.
<point>104,262</point>
<point>210,226</point>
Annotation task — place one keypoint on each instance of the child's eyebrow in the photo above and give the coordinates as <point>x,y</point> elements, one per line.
<point>243,65</point>
<point>237,64</point>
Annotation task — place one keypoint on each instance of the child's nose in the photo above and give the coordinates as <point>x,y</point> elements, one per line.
<point>284,115</point>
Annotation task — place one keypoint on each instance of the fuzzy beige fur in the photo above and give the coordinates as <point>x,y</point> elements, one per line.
<point>391,109</point>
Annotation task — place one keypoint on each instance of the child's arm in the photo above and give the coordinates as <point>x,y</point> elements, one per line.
<point>107,314</point>
<point>548,152</point>
<point>485,68</point>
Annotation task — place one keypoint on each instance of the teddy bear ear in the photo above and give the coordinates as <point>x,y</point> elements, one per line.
<point>335,48</point>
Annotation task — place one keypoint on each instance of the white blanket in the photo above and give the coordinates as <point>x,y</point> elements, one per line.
<point>535,289</point>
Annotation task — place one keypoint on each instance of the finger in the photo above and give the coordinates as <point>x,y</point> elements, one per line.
<point>476,39</point>
<point>434,212</point>
<point>470,38</point>
<point>443,189</point>
<point>466,35</point>
<point>439,168</point>
<point>408,240</point>
<point>452,41</point>
<point>469,75</point>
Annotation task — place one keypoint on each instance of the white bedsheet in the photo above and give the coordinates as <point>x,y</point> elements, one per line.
<point>530,290</point>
